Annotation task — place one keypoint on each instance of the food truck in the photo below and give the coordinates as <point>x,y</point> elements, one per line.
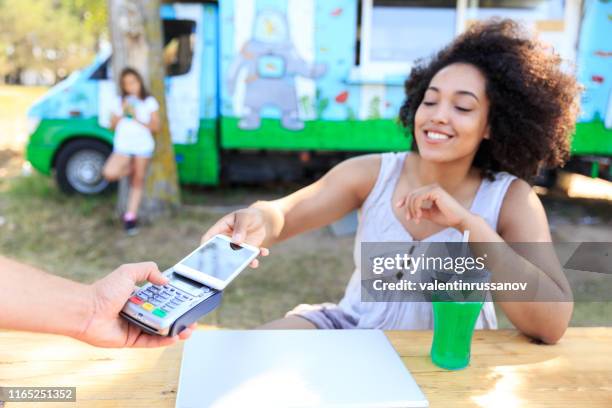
<point>261,90</point>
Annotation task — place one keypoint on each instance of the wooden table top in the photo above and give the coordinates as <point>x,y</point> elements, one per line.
<point>506,369</point>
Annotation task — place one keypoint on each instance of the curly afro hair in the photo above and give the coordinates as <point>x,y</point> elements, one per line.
<point>533,104</point>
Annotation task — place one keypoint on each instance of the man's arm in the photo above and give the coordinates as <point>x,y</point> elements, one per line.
<point>33,300</point>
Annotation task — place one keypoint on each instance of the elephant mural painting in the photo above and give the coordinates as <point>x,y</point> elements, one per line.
<point>271,62</point>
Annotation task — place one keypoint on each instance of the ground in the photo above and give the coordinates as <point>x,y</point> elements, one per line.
<point>80,238</point>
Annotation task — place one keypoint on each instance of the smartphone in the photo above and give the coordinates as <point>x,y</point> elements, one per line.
<point>216,262</point>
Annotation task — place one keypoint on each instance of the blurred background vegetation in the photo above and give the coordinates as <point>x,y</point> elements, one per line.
<point>43,41</point>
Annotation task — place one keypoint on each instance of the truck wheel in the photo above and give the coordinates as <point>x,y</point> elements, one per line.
<point>78,167</point>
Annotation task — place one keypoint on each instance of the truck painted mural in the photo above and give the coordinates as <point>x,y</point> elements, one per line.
<point>594,61</point>
<point>259,90</point>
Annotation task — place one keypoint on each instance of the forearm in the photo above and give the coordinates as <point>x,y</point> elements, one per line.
<point>544,309</point>
<point>548,315</point>
<point>33,300</point>
<point>545,321</point>
<point>152,126</point>
<point>501,254</point>
<point>114,121</point>
<point>342,190</point>
<point>300,212</point>
<point>274,221</point>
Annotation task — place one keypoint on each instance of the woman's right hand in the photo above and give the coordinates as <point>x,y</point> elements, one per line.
<point>243,226</point>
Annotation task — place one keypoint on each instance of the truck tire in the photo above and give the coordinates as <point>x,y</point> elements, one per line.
<point>78,167</point>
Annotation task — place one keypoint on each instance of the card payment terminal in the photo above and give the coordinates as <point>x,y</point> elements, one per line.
<point>195,287</point>
<point>167,310</point>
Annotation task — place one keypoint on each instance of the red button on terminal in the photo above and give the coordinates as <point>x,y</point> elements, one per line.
<point>137,300</point>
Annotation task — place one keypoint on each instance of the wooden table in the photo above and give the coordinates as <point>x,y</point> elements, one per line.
<point>507,370</point>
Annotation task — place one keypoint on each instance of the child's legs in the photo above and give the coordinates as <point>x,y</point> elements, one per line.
<point>116,167</point>
<point>139,172</point>
<point>288,323</point>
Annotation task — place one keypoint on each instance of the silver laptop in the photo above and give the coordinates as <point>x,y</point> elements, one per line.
<point>294,368</point>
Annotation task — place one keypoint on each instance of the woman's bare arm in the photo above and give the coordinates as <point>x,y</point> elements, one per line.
<point>522,219</point>
<point>341,190</point>
<point>114,121</point>
<point>154,124</point>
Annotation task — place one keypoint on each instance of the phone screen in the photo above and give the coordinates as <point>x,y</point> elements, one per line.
<point>218,258</point>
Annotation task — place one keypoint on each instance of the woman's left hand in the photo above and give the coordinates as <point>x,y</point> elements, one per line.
<point>433,203</point>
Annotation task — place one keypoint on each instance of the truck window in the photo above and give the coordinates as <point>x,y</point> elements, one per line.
<point>392,31</point>
<point>525,11</point>
<point>179,41</point>
<point>395,33</point>
<point>547,18</point>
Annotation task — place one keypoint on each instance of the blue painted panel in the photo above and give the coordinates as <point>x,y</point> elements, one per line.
<point>167,12</point>
<point>336,33</point>
<point>595,61</point>
<point>226,52</point>
<point>209,106</point>
<point>75,97</point>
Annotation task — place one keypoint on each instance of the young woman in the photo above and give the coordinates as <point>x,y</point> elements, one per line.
<point>134,118</point>
<point>485,113</point>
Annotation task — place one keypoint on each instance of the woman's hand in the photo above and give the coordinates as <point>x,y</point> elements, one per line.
<point>433,203</point>
<point>246,225</point>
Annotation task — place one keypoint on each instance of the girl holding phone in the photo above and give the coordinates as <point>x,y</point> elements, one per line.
<point>135,117</point>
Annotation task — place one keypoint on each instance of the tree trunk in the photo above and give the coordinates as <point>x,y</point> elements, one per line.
<point>137,41</point>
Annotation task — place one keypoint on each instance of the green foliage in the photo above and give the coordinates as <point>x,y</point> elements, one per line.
<point>91,13</point>
<point>55,35</point>
<point>306,104</point>
<point>321,103</point>
<point>374,108</point>
<point>350,113</point>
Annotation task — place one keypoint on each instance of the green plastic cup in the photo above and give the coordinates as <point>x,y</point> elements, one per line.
<point>454,324</point>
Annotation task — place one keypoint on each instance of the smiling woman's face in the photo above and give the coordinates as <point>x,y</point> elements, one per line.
<point>451,120</point>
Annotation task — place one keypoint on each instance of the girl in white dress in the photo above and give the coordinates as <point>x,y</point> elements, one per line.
<point>135,118</point>
<point>484,113</point>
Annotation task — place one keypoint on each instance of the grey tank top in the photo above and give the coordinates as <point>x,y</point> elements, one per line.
<point>378,223</point>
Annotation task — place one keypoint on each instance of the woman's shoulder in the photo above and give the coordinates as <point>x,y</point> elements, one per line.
<point>521,205</point>
<point>518,192</point>
<point>377,165</point>
<point>374,172</point>
<point>364,167</point>
<point>359,173</point>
